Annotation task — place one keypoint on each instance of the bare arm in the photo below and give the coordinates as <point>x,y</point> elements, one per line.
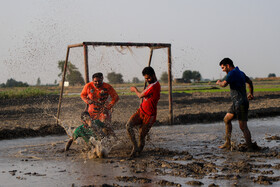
<point>84,96</point>
<point>139,94</point>
<point>115,98</point>
<point>251,88</point>
<point>222,83</point>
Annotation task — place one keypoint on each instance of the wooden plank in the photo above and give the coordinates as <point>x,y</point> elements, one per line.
<point>157,45</point>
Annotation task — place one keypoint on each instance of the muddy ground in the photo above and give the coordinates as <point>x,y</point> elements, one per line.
<point>35,116</point>
<point>181,155</point>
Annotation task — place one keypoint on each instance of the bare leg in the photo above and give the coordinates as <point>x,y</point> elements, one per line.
<point>143,131</point>
<point>227,120</point>
<point>69,143</point>
<point>243,126</point>
<point>131,134</point>
<point>141,143</point>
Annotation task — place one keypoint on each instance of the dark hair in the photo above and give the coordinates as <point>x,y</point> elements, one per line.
<point>98,75</point>
<point>148,71</point>
<point>84,114</point>
<point>226,61</point>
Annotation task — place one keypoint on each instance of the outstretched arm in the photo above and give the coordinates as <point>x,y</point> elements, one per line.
<point>222,83</point>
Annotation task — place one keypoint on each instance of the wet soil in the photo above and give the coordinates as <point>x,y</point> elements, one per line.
<point>181,155</point>
<point>35,116</point>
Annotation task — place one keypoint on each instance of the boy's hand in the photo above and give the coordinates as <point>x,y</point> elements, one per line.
<point>133,88</point>
<point>250,96</point>
<point>90,101</point>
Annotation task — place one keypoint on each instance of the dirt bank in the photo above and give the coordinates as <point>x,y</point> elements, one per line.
<point>35,116</point>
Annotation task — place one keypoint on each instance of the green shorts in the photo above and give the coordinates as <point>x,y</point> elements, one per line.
<point>241,111</point>
<point>84,133</point>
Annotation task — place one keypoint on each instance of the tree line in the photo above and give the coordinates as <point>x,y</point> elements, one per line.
<point>74,77</point>
<point>13,83</point>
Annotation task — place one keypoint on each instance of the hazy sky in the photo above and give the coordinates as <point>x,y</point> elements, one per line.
<point>34,36</point>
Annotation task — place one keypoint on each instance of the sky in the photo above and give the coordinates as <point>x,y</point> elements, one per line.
<point>35,34</point>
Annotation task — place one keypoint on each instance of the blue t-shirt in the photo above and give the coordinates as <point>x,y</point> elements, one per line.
<point>237,81</point>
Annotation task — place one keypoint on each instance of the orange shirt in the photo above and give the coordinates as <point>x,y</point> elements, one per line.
<point>99,96</point>
<point>150,99</point>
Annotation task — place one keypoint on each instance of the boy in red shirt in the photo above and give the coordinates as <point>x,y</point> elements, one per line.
<point>145,116</point>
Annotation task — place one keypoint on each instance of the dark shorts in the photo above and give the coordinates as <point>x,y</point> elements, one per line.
<point>240,111</point>
<point>143,120</point>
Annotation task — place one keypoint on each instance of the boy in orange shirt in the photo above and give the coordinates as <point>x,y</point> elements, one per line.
<point>96,94</point>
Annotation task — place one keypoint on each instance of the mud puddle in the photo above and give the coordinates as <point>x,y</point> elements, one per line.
<point>174,156</point>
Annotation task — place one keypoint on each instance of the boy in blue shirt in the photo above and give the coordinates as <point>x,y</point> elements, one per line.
<point>237,81</point>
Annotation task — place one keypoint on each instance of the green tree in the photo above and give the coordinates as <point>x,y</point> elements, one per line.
<point>135,80</point>
<point>70,67</point>
<point>272,75</point>
<point>189,75</point>
<point>196,76</point>
<point>72,74</point>
<point>38,83</point>
<point>164,77</point>
<point>75,77</point>
<point>115,78</point>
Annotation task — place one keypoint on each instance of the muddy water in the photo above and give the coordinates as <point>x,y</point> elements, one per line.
<point>175,155</point>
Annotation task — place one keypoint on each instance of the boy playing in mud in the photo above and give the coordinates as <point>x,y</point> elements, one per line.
<point>145,116</point>
<point>85,131</point>
<point>95,94</point>
<point>237,81</point>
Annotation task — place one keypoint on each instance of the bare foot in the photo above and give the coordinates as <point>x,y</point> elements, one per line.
<point>225,146</point>
<point>253,147</point>
<point>134,152</point>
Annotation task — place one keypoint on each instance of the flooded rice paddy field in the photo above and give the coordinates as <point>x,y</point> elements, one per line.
<point>181,155</point>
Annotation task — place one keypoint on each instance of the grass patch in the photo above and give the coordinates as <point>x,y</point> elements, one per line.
<point>17,93</point>
<point>276,89</point>
<point>197,90</point>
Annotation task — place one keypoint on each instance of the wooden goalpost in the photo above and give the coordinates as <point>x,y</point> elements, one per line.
<point>152,47</point>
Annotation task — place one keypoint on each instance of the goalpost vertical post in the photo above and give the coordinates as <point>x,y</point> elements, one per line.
<point>149,64</point>
<point>86,68</point>
<point>86,63</point>
<point>170,87</point>
<point>62,84</point>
